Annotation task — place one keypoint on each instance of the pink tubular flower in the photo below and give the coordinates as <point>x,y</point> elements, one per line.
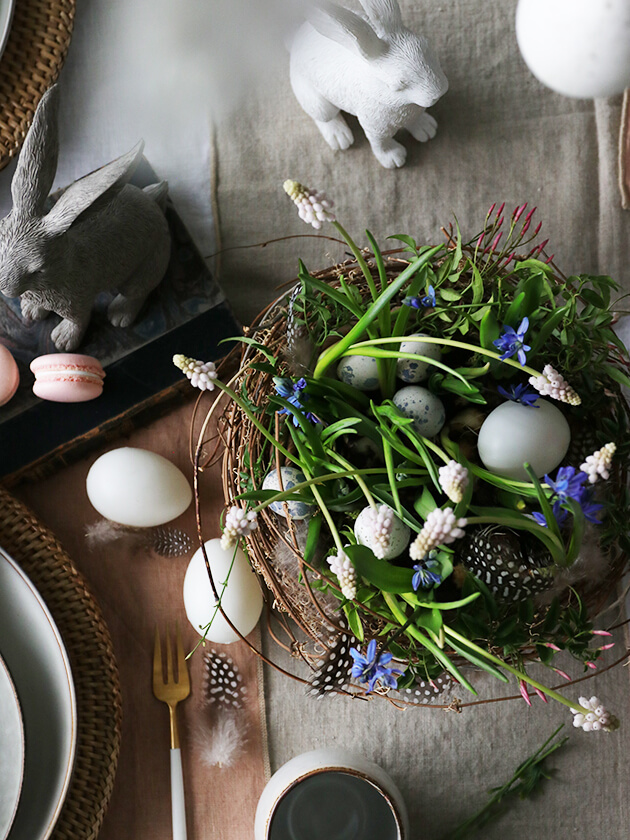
<point>238,523</point>
<point>313,207</point>
<point>524,692</point>
<point>440,527</point>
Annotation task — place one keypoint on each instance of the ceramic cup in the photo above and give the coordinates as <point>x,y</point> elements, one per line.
<point>332,794</point>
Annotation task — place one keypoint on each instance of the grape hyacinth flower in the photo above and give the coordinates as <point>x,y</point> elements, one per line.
<point>293,392</point>
<point>201,374</point>
<point>594,716</point>
<point>426,302</point>
<point>598,464</point>
<point>380,522</point>
<point>424,575</point>
<point>341,566</point>
<point>313,207</point>
<point>441,526</point>
<point>238,523</point>
<point>454,480</point>
<point>520,394</point>
<point>553,384</point>
<point>370,668</point>
<point>511,342</point>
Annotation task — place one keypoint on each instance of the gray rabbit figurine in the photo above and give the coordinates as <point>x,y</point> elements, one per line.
<point>371,66</point>
<point>102,234</point>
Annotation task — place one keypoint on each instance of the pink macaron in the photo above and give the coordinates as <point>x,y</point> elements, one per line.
<point>9,375</point>
<point>67,377</point>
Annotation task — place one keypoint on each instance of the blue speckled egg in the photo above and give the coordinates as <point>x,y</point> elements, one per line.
<point>359,371</point>
<point>410,371</point>
<point>423,406</point>
<point>290,477</point>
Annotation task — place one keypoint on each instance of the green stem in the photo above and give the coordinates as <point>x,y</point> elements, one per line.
<point>359,479</point>
<point>328,518</point>
<point>520,675</point>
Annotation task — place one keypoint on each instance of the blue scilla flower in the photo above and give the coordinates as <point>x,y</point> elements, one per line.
<point>568,484</point>
<point>590,509</point>
<point>425,574</point>
<point>520,394</point>
<point>511,342</point>
<point>559,514</point>
<point>425,302</point>
<point>370,668</point>
<point>293,392</point>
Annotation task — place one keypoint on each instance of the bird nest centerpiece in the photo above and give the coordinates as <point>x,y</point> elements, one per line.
<point>425,460</point>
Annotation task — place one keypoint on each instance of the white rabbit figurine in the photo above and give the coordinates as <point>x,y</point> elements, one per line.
<point>372,67</point>
<point>102,234</point>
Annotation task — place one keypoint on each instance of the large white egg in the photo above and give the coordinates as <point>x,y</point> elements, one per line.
<point>138,488</point>
<point>423,406</point>
<point>513,434</point>
<point>579,48</point>
<point>290,477</point>
<point>359,371</point>
<point>236,585</point>
<point>398,538</point>
<point>411,371</point>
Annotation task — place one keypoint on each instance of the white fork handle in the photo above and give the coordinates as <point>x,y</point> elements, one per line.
<point>177,796</point>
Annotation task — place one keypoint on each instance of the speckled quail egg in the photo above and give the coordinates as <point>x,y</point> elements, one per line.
<point>423,406</point>
<point>416,371</point>
<point>290,477</point>
<point>398,538</point>
<point>513,434</point>
<point>359,371</point>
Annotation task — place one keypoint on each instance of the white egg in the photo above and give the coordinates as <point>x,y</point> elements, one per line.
<point>398,538</point>
<point>423,406</point>
<point>236,585</point>
<point>411,371</point>
<point>359,371</point>
<point>579,48</point>
<point>138,488</point>
<point>290,477</point>
<point>513,434</point>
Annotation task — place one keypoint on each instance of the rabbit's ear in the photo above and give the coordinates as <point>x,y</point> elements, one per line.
<point>384,15</point>
<point>347,28</point>
<point>82,194</point>
<point>37,163</point>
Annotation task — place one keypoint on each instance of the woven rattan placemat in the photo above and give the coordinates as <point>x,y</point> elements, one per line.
<point>94,669</point>
<point>34,55</point>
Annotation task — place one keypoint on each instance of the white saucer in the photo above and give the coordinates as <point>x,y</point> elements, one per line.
<point>34,653</point>
<point>11,750</point>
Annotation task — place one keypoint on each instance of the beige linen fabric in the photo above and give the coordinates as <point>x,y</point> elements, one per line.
<point>501,137</point>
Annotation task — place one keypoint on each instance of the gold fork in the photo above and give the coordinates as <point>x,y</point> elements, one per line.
<point>171,691</point>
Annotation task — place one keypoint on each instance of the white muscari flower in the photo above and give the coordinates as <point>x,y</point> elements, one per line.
<point>238,523</point>
<point>380,522</point>
<point>553,384</point>
<point>594,716</point>
<point>341,566</point>
<point>598,464</point>
<point>201,374</point>
<point>441,527</point>
<point>454,480</point>
<point>313,207</point>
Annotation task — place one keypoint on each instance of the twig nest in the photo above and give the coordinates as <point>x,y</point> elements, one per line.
<point>290,477</point>
<point>514,434</point>
<point>411,371</point>
<point>385,543</point>
<point>425,409</point>
<point>359,371</point>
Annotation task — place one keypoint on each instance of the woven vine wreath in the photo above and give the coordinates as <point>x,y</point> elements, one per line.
<point>425,460</point>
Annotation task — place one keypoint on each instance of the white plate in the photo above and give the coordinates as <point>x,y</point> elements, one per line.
<point>34,653</point>
<point>11,750</point>
<point>6,18</point>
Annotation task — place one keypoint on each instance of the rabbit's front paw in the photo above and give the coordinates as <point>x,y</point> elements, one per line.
<point>67,335</point>
<point>423,127</point>
<point>336,133</point>
<point>31,310</point>
<point>388,152</point>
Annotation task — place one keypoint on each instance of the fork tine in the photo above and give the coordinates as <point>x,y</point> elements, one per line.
<point>158,674</point>
<point>183,677</point>
<point>169,657</point>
